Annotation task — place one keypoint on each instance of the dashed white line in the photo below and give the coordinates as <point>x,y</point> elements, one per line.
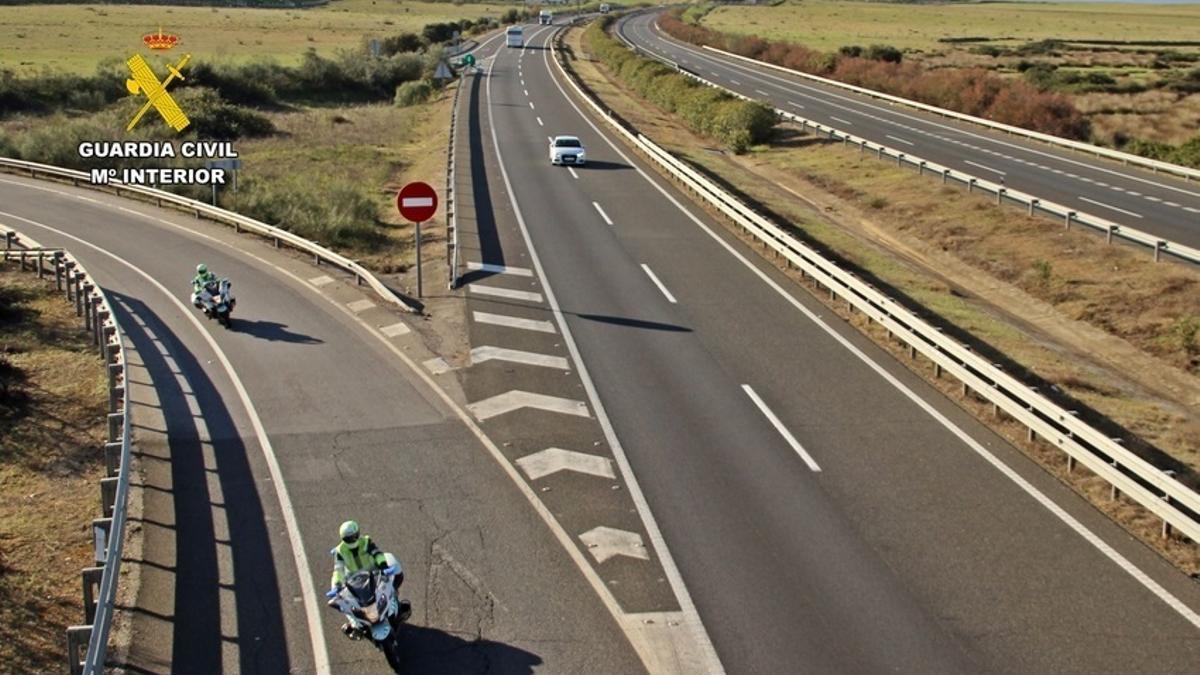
<point>531,106</point>
<point>661,287</point>
<point>1153,198</point>
<point>1171,204</point>
<point>783,431</point>
<point>900,140</point>
<point>838,119</point>
<point>573,174</point>
<point>526,91</point>
<point>736,83</point>
<point>514,322</point>
<point>795,105</point>
<point>760,92</point>
<point>1107,206</point>
<point>540,122</point>
<point>602,213</point>
<point>985,168</point>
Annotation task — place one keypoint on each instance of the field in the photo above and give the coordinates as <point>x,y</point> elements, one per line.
<point>830,24</point>
<point>77,37</point>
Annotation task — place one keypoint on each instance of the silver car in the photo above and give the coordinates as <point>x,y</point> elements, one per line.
<point>567,150</point>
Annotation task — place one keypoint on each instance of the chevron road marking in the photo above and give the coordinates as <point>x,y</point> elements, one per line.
<point>499,269</point>
<point>489,353</point>
<point>514,322</point>
<point>517,399</point>
<point>506,293</point>
<point>605,542</point>
<point>321,280</point>
<point>437,365</point>
<point>553,460</point>
<point>396,329</point>
<point>360,305</point>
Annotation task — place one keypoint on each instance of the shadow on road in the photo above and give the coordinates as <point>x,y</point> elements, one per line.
<point>490,249</point>
<point>432,651</point>
<point>272,331</point>
<point>600,165</point>
<point>634,323</point>
<point>189,637</point>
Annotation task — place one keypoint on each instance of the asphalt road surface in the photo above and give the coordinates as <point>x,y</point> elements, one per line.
<point>924,543</point>
<point>1158,204</point>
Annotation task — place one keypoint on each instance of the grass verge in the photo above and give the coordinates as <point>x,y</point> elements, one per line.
<point>949,256</point>
<point>52,415</point>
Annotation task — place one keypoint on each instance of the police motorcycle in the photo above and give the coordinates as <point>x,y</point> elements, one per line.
<point>372,610</point>
<point>216,300</point>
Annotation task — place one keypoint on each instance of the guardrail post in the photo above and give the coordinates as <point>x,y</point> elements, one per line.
<point>881,152</point>
<point>106,333</point>
<point>1070,463</point>
<point>1067,219</point>
<point>115,422</point>
<point>108,496</point>
<point>91,588</point>
<point>1109,233</point>
<point>41,269</point>
<point>77,642</point>
<point>1113,492</point>
<point>900,159</point>
<point>1000,195</point>
<point>921,168</point>
<point>69,279</point>
<point>970,185</point>
<point>862,147</point>
<point>112,458</point>
<point>24,254</point>
<point>78,293</point>
<point>945,176</point>
<point>276,240</point>
<point>1158,247</point>
<point>101,529</point>
<point>1033,203</point>
<point>9,238</point>
<point>58,270</point>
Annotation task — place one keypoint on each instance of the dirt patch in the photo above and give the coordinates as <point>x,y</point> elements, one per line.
<point>51,459</point>
<point>1060,308</point>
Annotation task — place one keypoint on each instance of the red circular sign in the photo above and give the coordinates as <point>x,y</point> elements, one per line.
<point>417,202</point>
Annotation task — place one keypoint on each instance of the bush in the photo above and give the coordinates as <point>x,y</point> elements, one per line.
<point>885,53</point>
<point>396,44</point>
<point>413,93</point>
<point>213,118</point>
<point>341,213</point>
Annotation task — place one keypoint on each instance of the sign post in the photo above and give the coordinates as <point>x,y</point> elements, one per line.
<point>417,203</point>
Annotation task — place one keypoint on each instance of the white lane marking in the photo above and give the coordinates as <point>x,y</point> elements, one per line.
<point>606,542</point>
<point>760,92</point>
<point>505,293</point>
<point>396,329</point>
<point>360,305</point>
<point>514,322</point>
<point>698,638</point>
<point>661,287</point>
<point>417,201</point>
<point>1191,210</point>
<point>437,365</point>
<point>573,174</point>
<point>1079,528</point>
<point>602,213</point>
<point>1108,206</point>
<point>795,105</point>
<point>517,399</point>
<point>1152,198</point>
<point>1171,204</point>
<point>522,83</point>
<point>321,280</point>
<point>553,460</point>
<point>526,92</point>
<point>531,106</point>
<point>899,140</point>
<point>838,119</point>
<point>735,83</point>
<point>299,557</point>
<point>783,431</point>
<point>540,122</point>
<point>499,269</point>
<point>485,353</point>
<point>984,167</point>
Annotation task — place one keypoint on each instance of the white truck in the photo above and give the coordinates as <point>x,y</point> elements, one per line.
<point>605,8</point>
<point>514,37</point>
<point>545,17</point>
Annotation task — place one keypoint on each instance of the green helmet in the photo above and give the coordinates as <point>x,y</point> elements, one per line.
<point>201,269</point>
<point>349,532</point>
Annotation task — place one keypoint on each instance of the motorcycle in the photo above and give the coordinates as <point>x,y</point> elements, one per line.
<point>372,610</point>
<point>217,301</point>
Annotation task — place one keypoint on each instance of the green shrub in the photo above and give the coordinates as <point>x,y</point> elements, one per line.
<point>413,93</point>
<point>341,213</point>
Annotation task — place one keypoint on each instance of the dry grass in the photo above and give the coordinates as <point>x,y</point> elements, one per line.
<point>1021,288</point>
<point>50,464</point>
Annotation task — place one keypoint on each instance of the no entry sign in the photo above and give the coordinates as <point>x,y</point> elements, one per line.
<point>417,202</point>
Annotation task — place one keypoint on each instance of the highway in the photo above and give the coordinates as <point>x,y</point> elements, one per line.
<point>355,434</point>
<point>1158,204</point>
<point>924,543</point>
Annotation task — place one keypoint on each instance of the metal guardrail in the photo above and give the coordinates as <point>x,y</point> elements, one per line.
<point>1123,157</point>
<point>1156,490</point>
<point>108,531</point>
<point>452,252</point>
<point>238,222</point>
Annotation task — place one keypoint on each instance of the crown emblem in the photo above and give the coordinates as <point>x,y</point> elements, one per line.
<point>160,40</point>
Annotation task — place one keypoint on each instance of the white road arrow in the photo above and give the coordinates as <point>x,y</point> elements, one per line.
<point>605,542</point>
<point>516,399</point>
<point>551,460</point>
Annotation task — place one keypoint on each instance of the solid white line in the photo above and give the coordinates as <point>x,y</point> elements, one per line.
<point>708,654</point>
<point>985,168</point>
<point>1107,206</point>
<point>838,119</point>
<point>505,293</point>
<point>299,557</point>
<point>658,283</point>
<point>514,322</point>
<point>899,140</point>
<point>783,431</point>
<point>499,269</point>
<point>1079,528</point>
<point>602,213</point>
<point>573,174</point>
<point>540,122</point>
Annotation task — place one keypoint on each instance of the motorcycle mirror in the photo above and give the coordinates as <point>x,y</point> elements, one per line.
<point>331,593</point>
<point>390,571</point>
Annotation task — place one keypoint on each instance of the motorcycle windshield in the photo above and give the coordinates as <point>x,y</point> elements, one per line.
<point>362,585</point>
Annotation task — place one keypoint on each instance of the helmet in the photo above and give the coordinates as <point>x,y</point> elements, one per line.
<point>349,532</point>
<point>201,269</point>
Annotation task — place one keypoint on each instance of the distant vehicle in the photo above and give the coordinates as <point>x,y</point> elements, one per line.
<point>605,7</point>
<point>545,17</point>
<point>567,150</point>
<point>514,36</point>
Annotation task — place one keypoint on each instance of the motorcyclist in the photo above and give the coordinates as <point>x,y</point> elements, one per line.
<point>357,552</point>
<point>203,278</point>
